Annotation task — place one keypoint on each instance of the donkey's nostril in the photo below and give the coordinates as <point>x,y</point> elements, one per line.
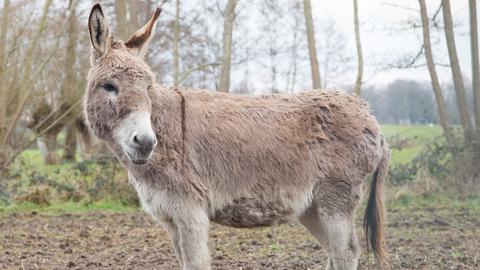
<point>144,143</point>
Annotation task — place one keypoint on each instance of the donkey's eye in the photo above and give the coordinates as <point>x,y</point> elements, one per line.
<point>110,87</point>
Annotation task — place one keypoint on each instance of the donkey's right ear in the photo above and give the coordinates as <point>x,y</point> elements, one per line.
<point>99,33</point>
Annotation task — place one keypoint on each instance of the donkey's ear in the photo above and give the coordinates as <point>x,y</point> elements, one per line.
<point>99,33</point>
<point>139,41</point>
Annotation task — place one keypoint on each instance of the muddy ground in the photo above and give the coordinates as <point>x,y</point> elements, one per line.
<point>418,238</point>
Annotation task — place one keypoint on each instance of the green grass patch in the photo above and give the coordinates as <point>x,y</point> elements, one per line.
<point>449,201</point>
<point>407,141</point>
<point>69,206</point>
<point>420,134</point>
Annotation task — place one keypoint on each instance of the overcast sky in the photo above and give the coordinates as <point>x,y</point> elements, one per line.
<point>382,43</point>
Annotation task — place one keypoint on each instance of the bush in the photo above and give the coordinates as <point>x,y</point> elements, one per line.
<point>454,168</point>
<point>92,180</point>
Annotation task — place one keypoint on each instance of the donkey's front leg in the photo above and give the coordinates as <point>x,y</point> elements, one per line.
<point>193,230</point>
<point>172,230</point>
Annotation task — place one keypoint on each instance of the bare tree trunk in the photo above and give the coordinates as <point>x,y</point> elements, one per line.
<point>358,82</point>
<point>229,18</point>
<point>84,138</point>
<point>136,9</point>
<point>455,67</point>
<point>176,45</point>
<point>70,92</point>
<point>70,147</point>
<point>47,145</point>
<point>273,84</point>
<point>475,64</point>
<point>442,109</point>
<point>307,9</point>
<point>121,18</point>
<point>3,66</point>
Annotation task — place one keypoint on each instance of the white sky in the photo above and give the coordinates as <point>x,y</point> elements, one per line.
<point>382,41</point>
<point>378,16</point>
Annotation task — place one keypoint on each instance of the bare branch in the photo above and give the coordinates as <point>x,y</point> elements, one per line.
<point>197,68</point>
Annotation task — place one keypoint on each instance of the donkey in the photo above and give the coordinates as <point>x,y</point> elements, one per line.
<point>196,157</point>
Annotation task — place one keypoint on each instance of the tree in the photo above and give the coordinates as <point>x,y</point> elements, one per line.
<point>475,64</point>
<point>176,45</point>
<point>3,66</point>
<point>70,94</point>
<point>442,110</point>
<point>358,81</point>
<point>455,68</point>
<point>121,18</point>
<point>307,8</point>
<point>229,19</point>
<point>21,96</point>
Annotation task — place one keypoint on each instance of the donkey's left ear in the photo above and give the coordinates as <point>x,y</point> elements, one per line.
<point>139,41</point>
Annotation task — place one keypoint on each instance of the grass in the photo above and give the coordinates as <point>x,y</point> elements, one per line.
<point>421,134</point>
<point>35,159</point>
<point>426,200</point>
<point>69,206</point>
<point>408,141</point>
<point>439,201</point>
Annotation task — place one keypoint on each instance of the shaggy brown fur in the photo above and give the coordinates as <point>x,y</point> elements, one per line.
<point>242,161</point>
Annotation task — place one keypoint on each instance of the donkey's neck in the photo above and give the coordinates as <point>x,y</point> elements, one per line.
<point>168,121</point>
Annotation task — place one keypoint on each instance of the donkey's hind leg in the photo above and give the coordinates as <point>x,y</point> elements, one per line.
<point>336,233</point>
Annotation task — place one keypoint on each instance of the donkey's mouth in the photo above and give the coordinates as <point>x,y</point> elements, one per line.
<point>139,161</point>
<point>136,160</point>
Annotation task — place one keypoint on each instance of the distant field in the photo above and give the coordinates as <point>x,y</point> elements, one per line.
<point>408,141</point>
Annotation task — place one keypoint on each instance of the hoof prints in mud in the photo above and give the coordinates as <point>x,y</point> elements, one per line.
<point>418,239</point>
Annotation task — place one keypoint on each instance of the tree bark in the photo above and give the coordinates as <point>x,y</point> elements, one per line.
<point>475,61</point>
<point>3,66</point>
<point>455,68</point>
<point>47,145</point>
<point>229,18</point>
<point>70,147</point>
<point>136,9</point>
<point>121,18</point>
<point>358,82</point>
<point>307,9</point>
<point>442,109</point>
<point>70,91</point>
<point>176,45</point>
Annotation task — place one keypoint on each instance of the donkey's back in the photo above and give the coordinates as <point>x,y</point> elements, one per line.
<point>275,141</point>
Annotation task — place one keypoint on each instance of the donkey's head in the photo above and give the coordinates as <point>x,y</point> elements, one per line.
<point>117,102</point>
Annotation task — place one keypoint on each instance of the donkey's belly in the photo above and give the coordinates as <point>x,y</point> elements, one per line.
<point>250,212</point>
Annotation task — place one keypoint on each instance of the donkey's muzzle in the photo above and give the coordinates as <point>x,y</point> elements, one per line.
<point>144,144</point>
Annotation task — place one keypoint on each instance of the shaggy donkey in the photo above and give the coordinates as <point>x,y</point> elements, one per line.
<point>242,161</point>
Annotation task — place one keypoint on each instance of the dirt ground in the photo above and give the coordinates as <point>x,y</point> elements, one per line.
<point>426,238</point>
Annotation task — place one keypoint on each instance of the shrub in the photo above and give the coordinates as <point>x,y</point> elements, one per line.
<point>92,180</point>
<point>454,168</point>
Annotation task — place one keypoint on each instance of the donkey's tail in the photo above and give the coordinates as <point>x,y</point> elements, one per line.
<point>374,219</point>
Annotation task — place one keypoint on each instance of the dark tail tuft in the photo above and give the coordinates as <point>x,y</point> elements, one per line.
<point>374,219</point>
